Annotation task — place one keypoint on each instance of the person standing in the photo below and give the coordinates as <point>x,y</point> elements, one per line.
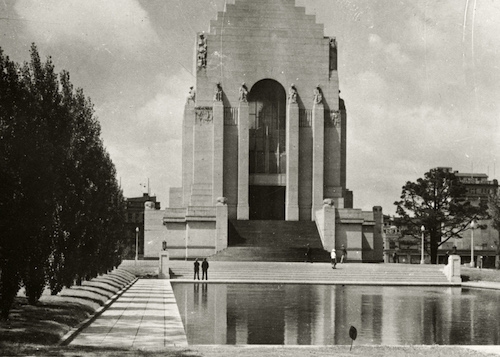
<point>204,269</point>
<point>344,254</point>
<point>309,254</point>
<point>196,269</point>
<point>333,258</point>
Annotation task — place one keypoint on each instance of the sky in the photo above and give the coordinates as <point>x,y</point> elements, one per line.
<point>420,79</point>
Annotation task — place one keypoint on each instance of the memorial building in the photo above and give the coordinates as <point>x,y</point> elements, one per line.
<point>264,139</point>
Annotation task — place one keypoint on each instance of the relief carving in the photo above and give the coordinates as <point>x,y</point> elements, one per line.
<point>203,115</point>
<point>202,51</point>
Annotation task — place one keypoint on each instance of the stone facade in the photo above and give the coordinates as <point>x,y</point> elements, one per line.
<point>265,129</point>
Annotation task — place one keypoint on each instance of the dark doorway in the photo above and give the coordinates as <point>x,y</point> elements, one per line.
<point>267,116</point>
<point>267,202</point>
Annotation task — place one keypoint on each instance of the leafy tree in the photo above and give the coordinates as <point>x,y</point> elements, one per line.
<point>61,208</point>
<point>494,205</point>
<point>495,211</point>
<point>438,202</point>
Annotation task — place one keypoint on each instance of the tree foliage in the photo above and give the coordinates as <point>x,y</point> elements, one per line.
<point>495,210</point>
<point>61,208</point>
<point>438,202</point>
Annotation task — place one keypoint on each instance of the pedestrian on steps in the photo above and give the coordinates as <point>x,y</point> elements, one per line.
<point>204,269</point>
<point>309,254</point>
<point>344,254</point>
<point>196,269</point>
<point>333,258</point>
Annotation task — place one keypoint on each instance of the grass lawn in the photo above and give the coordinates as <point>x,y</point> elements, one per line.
<point>44,323</point>
<point>474,274</point>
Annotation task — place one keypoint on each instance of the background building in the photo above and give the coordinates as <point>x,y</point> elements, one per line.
<point>134,218</point>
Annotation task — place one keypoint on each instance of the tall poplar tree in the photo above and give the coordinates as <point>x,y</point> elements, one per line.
<point>61,209</point>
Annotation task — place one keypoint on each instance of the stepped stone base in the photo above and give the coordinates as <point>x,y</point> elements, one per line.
<point>279,241</point>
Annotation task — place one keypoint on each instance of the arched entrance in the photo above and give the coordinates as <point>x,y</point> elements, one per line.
<point>267,161</point>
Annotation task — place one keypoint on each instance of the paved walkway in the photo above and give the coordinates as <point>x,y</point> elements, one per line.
<point>145,316</point>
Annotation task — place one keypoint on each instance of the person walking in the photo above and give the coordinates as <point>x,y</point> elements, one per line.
<point>309,254</point>
<point>196,269</point>
<point>333,258</point>
<point>204,269</point>
<point>344,254</point>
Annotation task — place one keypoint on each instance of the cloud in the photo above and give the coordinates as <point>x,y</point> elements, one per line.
<point>160,162</point>
<point>111,25</point>
<point>153,135</point>
<point>392,51</point>
<point>162,115</point>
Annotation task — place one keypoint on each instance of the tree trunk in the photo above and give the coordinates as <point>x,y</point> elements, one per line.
<point>434,247</point>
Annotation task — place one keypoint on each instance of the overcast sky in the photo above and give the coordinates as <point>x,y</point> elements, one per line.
<point>420,78</point>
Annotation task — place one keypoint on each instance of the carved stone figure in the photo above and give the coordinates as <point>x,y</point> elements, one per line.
<point>318,95</point>
<point>328,202</point>
<point>333,54</point>
<point>243,93</point>
<point>333,43</point>
<point>202,51</point>
<point>191,95</point>
<point>218,93</point>
<point>292,94</point>
<point>222,200</point>
<point>335,117</point>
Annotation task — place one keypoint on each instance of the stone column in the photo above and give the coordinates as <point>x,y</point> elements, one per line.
<point>292,163</point>
<point>218,162</point>
<point>318,133</point>
<point>187,151</point>
<point>243,211</point>
<point>221,224</point>
<point>328,224</point>
<point>163,272</point>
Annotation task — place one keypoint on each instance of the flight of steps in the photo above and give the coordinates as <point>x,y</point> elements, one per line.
<point>319,273</point>
<point>276,241</point>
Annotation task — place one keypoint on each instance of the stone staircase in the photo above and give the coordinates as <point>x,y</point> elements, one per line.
<point>273,241</point>
<point>316,273</point>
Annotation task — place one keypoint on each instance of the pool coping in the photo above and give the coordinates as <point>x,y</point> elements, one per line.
<point>317,282</point>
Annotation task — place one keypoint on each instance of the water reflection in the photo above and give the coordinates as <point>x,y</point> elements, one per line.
<point>322,314</point>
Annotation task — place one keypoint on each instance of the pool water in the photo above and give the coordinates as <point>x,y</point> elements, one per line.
<point>322,314</point>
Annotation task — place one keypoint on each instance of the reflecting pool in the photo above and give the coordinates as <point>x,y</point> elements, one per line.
<point>322,314</point>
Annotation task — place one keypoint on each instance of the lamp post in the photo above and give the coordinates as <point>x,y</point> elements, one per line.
<point>136,244</point>
<point>472,226</point>
<point>422,260</point>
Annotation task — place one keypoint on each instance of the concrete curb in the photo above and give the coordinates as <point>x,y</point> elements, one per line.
<point>482,285</point>
<point>71,334</point>
<point>315,282</point>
